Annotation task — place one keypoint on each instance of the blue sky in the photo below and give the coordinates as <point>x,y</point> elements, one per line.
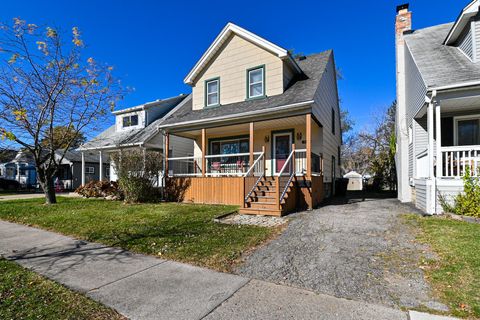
<point>154,44</point>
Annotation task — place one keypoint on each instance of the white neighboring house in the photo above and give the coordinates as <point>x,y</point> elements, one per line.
<point>438,106</point>
<point>138,127</point>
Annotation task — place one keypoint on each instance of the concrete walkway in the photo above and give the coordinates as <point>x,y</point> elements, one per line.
<point>21,196</point>
<point>144,287</point>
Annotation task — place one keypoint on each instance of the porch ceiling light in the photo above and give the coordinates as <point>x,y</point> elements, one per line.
<point>266,139</point>
<point>299,136</point>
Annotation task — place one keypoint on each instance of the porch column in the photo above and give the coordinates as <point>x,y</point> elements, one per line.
<point>309,143</point>
<point>166,151</point>
<point>204,150</point>
<point>100,166</point>
<point>438,124</point>
<point>251,159</point>
<point>18,172</point>
<point>83,169</point>
<point>430,129</point>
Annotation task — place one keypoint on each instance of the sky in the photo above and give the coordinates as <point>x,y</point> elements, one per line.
<point>154,44</point>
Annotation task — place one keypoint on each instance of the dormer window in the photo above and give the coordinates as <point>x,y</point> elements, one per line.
<point>256,82</point>
<point>212,92</point>
<point>130,121</point>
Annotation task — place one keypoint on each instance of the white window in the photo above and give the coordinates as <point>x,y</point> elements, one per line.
<point>256,82</point>
<point>130,121</point>
<point>212,92</point>
<point>467,130</point>
<point>89,170</point>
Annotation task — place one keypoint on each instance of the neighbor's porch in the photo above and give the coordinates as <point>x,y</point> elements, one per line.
<point>264,166</point>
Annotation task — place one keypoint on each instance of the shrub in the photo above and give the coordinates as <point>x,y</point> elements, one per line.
<point>468,202</point>
<point>138,173</point>
<point>100,189</point>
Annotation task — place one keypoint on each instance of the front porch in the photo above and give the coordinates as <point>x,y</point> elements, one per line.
<point>267,167</point>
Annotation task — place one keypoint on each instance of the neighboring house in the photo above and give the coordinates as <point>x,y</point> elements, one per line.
<point>265,124</point>
<point>20,168</point>
<point>138,127</point>
<point>438,106</point>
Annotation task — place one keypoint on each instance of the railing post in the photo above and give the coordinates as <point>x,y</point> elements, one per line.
<point>277,192</point>
<point>294,168</point>
<point>264,161</point>
<point>204,162</point>
<point>251,146</point>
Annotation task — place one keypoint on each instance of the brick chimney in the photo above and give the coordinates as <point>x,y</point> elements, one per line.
<point>403,23</point>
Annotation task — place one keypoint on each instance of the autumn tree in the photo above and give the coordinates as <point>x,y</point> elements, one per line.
<point>46,83</point>
<point>62,136</point>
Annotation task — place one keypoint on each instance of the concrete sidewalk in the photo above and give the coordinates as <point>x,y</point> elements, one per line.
<point>22,196</point>
<point>144,287</point>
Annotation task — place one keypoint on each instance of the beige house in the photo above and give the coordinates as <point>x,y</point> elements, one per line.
<point>265,127</point>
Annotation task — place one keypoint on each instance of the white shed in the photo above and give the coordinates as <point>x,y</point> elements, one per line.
<point>355,181</point>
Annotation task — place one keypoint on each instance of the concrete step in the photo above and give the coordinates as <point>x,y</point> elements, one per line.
<point>260,211</point>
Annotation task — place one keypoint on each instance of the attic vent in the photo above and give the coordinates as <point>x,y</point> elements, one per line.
<point>301,58</point>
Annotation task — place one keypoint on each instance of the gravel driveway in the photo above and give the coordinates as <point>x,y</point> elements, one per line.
<point>354,248</point>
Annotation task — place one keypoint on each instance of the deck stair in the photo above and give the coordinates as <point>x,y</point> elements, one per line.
<point>265,197</point>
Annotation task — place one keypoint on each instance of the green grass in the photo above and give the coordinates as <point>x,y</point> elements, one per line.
<point>455,275</point>
<point>182,232</point>
<point>26,295</point>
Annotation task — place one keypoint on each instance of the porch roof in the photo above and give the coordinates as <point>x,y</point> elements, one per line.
<point>440,65</point>
<point>302,90</point>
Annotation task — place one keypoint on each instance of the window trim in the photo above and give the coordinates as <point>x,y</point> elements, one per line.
<point>264,87</point>
<point>223,139</point>
<point>87,171</point>
<point>205,93</point>
<point>130,121</point>
<point>462,118</point>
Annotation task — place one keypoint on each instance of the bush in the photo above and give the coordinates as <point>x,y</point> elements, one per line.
<point>138,173</point>
<point>100,189</point>
<point>468,202</point>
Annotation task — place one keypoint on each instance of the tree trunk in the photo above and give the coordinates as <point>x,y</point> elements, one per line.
<point>49,189</point>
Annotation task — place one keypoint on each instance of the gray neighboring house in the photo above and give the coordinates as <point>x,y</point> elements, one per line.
<point>137,127</point>
<point>438,107</point>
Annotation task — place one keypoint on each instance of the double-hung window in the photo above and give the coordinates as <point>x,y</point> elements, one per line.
<point>212,92</point>
<point>256,82</point>
<point>468,131</point>
<point>130,121</point>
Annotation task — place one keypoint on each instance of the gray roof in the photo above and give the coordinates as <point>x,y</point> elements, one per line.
<point>301,89</point>
<point>111,139</point>
<point>440,65</point>
<point>76,156</point>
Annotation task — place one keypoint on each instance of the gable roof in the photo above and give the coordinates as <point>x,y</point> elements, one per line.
<point>110,138</point>
<point>228,30</point>
<point>440,65</point>
<point>456,30</point>
<point>301,91</point>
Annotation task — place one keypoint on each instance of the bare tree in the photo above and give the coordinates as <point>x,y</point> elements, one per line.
<point>46,83</point>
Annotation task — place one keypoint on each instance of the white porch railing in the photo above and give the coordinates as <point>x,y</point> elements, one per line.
<point>185,167</point>
<point>258,167</point>
<point>236,164</point>
<point>456,160</point>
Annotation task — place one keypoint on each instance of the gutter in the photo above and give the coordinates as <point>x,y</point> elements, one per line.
<point>456,86</point>
<point>242,115</point>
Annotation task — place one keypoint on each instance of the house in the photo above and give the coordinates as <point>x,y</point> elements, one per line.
<point>136,127</point>
<point>265,126</point>
<point>68,177</point>
<point>438,107</point>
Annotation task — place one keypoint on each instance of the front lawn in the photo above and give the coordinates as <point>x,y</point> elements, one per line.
<point>182,232</point>
<point>26,295</point>
<point>455,276</point>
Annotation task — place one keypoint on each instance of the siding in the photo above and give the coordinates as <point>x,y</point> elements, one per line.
<point>415,88</point>
<point>231,64</point>
<point>465,43</point>
<point>476,38</point>
<point>448,189</point>
<point>326,98</point>
<point>119,120</point>
<point>421,194</point>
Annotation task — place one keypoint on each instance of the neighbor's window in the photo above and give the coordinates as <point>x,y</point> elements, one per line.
<point>256,82</point>
<point>468,132</point>
<point>333,121</point>
<point>89,170</point>
<point>212,92</point>
<point>130,121</point>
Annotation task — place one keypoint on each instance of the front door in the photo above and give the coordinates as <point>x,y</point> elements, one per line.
<point>282,146</point>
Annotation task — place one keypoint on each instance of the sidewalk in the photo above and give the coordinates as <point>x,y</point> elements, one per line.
<point>144,287</point>
<point>34,196</point>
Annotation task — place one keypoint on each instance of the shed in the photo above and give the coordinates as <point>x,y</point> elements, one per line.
<point>355,181</point>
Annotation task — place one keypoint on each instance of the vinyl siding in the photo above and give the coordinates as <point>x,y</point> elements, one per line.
<point>421,194</point>
<point>476,39</point>
<point>448,189</point>
<point>231,63</point>
<point>326,98</point>
<point>415,88</point>
<point>465,43</point>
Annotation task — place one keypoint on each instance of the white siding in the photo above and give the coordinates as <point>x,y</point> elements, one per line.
<point>476,39</point>
<point>465,43</point>
<point>181,147</point>
<point>421,194</point>
<point>326,98</point>
<point>415,89</point>
<point>448,189</point>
